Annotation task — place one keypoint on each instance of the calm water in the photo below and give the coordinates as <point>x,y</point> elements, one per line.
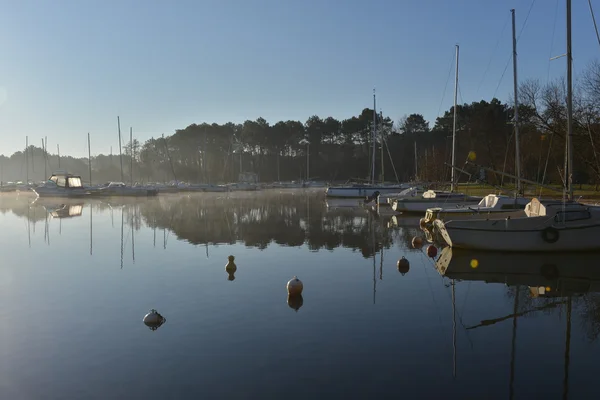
<point>74,291</point>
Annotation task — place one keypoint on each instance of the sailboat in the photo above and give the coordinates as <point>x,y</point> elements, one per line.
<point>371,189</point>
<point>438,198</point>
<point>492,203</point>
<point>548,225</point>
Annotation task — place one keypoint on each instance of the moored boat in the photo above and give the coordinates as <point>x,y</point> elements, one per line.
<point>490,204</point>
<point>62,184</point>
<point>548,226</point>
<point>433,198</point>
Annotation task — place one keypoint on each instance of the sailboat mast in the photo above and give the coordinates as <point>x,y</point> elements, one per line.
<point>44,156</point>
<point>381,137</point>
<point>416,163</point>
<point>90,158</point>
<point>452,178</point>
<point>26,160</point>
<point>569,171</point>
<point>374,133</point>
<point>131,154</point>
<point>516,121</point>
<point>58,153</point>
<point>120,152</point>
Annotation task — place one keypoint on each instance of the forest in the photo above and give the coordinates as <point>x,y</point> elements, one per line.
<point>338,150</point>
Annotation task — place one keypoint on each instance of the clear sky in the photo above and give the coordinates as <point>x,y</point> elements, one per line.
<point>68,67</point>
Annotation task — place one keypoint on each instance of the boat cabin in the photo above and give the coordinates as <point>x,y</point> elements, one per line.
<point>65,180</point>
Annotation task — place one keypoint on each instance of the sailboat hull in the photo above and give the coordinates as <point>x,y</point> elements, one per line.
<point>523,235</point>
<point>362,191</point>
<point>421,205</point>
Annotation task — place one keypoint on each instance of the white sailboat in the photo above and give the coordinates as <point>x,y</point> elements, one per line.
<point>434,198</point>
<point>548,225</point>
<point>363,190</point>
<point>492,203</point>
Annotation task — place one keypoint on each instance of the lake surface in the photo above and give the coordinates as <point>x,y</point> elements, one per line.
<point>76,280</point>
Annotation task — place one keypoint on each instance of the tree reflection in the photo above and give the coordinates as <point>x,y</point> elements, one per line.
<point>286,219</point>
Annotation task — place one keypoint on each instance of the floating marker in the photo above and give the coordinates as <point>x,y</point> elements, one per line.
<point>432,251</point>
<point>154,320</point>
<point>417,242</point>
<point>295,286</point>
<point>403,265</point>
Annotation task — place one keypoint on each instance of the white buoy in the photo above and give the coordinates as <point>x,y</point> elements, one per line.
<point>295,286</point>
<point>153,319</point>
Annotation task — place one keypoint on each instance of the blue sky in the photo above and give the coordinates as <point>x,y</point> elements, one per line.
<point>69,67</point>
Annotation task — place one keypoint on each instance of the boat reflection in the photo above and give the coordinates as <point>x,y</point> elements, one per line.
<point>564,283</point>
<point>547,275</point>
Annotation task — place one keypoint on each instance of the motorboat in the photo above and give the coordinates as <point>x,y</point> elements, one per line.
<point>62,184</point>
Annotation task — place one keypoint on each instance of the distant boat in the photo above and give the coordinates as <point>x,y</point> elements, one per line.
<point>62,184</point>
<point>363,190</point>
<point>121,189</point>
<point>372,189</point>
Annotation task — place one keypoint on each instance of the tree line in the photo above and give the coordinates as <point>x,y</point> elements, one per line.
<point>330,149</point>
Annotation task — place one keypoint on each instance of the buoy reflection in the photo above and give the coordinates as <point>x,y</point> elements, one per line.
<point>295,301</point>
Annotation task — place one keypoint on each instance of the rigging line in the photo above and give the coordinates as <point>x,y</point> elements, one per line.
<point>552,41</point>
<point>526,18</point>
<point>447,80</point>
<point>502,76</point>
<point>594,19</point>
<point>492,57</point>
<point>518,37</point>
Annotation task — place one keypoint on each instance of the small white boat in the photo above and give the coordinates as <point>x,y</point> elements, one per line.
<point>490,204</point>
<point>548,226</point>
<point>62,184</point>
<point>432,198</point>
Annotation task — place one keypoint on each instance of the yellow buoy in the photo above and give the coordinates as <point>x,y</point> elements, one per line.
<point>472,156</point>
<point>474,263</point>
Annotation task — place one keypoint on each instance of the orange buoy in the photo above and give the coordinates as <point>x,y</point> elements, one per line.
<point>431,251</point>
<point>403,265</point>
<point>417,242</point>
